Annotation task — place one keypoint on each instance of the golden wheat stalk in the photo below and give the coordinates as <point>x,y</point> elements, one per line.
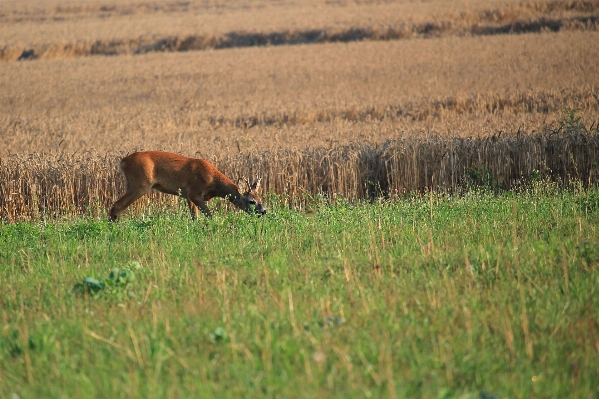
<point>73,184</point>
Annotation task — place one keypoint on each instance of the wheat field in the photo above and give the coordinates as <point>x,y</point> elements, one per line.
<point>283,89</point>
<point>63,28</point>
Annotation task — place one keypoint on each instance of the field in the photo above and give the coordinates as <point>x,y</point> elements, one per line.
<point>430,170</point>
<point>429,297</point>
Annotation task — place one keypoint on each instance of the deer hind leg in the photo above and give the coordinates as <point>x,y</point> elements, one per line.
<point>122,203</point>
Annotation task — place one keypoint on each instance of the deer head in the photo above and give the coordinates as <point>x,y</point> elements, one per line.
<point>250,200</point>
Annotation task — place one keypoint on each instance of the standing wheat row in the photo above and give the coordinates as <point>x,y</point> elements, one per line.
<point>59,184</point>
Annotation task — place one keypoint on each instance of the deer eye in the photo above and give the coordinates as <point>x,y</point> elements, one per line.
<point>252,202</point>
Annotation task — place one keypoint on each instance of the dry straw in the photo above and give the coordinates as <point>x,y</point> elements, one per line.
<point>51,185</point>
<point>207,29</point>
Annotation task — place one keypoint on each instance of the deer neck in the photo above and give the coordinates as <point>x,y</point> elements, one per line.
<point>230,191</point>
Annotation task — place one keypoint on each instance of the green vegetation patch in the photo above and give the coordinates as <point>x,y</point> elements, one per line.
<point>481,296</point>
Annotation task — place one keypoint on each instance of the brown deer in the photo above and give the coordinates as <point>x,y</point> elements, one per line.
<point>197,180</point>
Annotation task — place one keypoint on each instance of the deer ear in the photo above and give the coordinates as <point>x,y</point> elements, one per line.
<point>256,185</point>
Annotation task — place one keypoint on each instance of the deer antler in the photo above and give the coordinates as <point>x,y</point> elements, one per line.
<point>256,184</point>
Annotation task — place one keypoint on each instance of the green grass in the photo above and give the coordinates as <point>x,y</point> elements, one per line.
<point>476,297</point>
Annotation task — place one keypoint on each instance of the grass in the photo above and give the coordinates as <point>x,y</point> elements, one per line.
<point>426,296</point>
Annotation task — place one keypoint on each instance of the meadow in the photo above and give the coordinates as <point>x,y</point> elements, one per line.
<point>430,169</point>
<point>483,296</point>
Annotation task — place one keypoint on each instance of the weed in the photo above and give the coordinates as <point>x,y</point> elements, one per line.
<point>430,292</point>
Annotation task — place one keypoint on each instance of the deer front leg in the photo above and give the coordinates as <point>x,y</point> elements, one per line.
<point>193,209</point>
<point>198,200</point>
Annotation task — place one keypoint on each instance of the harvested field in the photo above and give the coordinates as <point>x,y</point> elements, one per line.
<point>54,29</point>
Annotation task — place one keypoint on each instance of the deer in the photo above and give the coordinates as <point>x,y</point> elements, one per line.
<point>195,179</point>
